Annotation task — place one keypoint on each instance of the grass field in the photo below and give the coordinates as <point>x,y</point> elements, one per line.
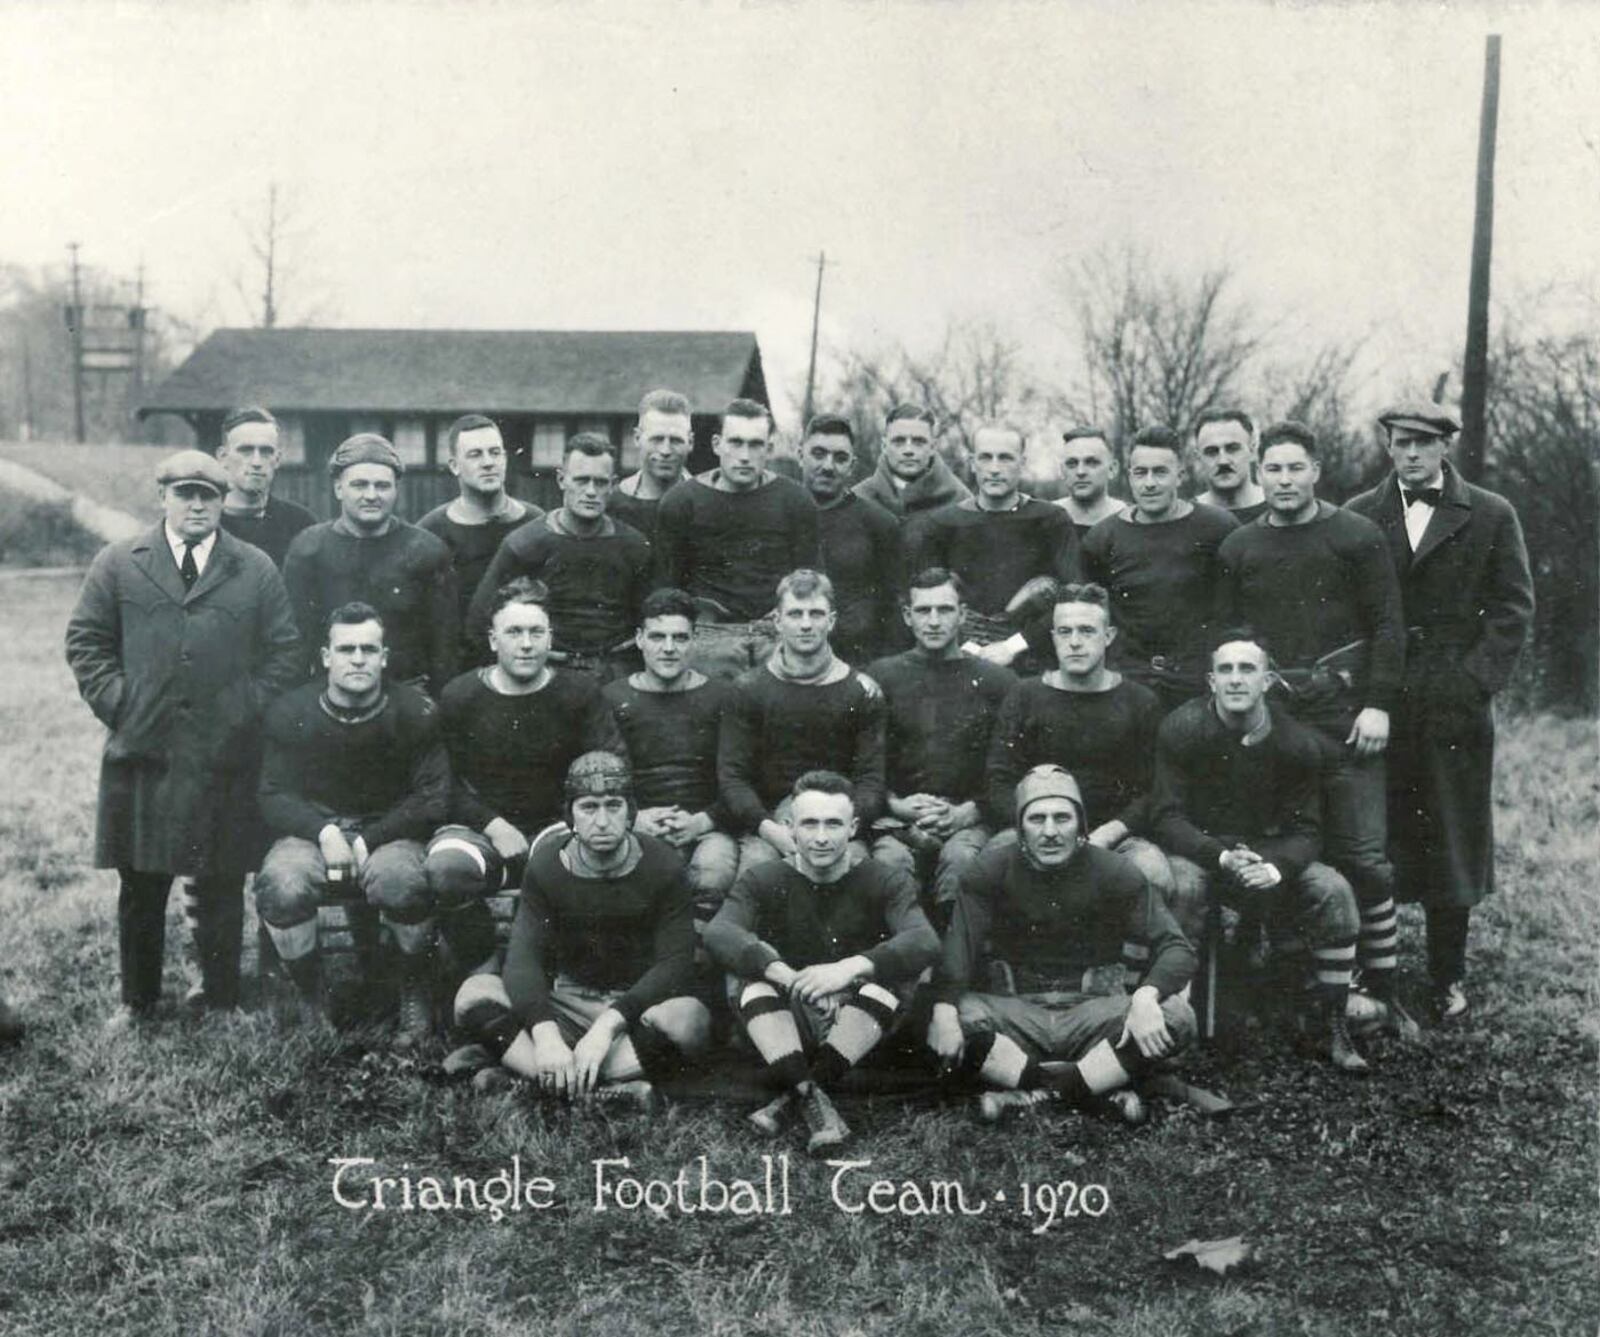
<point>121,476</point>
<point>178,1182</point>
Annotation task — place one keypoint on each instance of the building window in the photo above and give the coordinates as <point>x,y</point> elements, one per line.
<point>411,442</point>
<point>549,439</point>
<point>292,438</point>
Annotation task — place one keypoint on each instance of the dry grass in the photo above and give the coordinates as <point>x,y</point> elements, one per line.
<point>118,476</point>
<point>177,1183</point>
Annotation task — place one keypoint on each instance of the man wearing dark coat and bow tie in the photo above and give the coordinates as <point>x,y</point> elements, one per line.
<point>1467,595</point>
<point>179,640</point>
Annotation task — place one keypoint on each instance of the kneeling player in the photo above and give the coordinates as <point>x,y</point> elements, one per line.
<point>595,994</point>
<point>353,779</point>
<point>1055,908</point>
<point>825,955</point>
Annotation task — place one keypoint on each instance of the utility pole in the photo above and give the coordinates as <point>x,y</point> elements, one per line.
<point>811,369</point>
<point>27,387</point>
<point>136,319</point>
<point>77,348</point>
<point>1475,365</point>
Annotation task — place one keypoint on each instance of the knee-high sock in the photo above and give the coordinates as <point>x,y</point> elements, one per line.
<point>863,1020</point>
<point>772,1031</point>
<point>484,1012</point>
<point>468,931</point>
<point>1102,1069</point>
<point>658,1056</point>
<point>1000,1061</point>
<point>1331,966</point>
<point>1377,948</point>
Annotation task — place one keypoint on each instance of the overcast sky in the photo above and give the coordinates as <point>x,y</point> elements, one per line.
<point>522,165</point>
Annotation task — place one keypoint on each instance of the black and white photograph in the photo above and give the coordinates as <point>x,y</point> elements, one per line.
<point>808,669</point>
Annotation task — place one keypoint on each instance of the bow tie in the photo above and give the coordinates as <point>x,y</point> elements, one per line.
<point>1428,495</point>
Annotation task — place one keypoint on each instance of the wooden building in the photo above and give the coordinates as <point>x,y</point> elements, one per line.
<point>541,386</point>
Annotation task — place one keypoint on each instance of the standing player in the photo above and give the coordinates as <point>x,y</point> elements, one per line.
<point>664,436</point>
<point>512,730</point>
<point>669,716</point>
<point>474,523</point>
<point>911,478</point>
<point>594,999</point>
<point>728,536</point>
<point>1225,452</point>
<point>1238,800</point>
<point>940,704</point>
<point>805,709</point>
<point>1000,542</point>
<point>1094,722</point>
<point>860,540</point>
<point>1088,465</point>
<point>1467,596</point>
<point>354,779</point>
<point>250,454</point>
<point>1158,561</point>
<point>369,555</point>
<point>1055,908</point>
<point>180,639</point>
<point>826,952</point>
<point>1318,584</point>
<point>595,570</point>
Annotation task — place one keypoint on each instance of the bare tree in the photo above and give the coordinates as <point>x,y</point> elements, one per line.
<point>275,279</point>
<point>1156,348</point>
<point>1544,455</point>
<point>1317,392</point>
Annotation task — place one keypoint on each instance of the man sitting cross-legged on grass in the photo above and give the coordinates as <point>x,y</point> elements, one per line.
<point>669,716</point>
<point>940,704</point>
<point>1054,908</point>
<point>354,779</point>
<point>1238,804</point>
<point>512,730</point>
<point>594,999</point>
<point>826,954</point>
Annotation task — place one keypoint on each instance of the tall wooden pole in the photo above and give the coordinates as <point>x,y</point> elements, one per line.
<point>1475,367</point>
<point>811,369</point>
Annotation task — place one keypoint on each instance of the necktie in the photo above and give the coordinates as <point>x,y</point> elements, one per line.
<point>187,568</point>
<point>1429,495</point>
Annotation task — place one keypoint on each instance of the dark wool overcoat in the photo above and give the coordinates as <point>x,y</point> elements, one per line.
<point>180,678</point>
<point>1467,595</point>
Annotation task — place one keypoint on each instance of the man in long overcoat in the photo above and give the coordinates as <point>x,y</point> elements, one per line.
<point>180,638</point>
<point>1467,595</point>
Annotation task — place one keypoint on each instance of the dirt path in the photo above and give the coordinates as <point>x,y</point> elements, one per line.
<point>105,522</point>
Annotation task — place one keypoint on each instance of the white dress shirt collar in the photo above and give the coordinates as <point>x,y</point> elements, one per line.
<point>202,549</point>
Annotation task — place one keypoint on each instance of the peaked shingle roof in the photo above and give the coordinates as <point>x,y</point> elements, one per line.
<point>492,371</point>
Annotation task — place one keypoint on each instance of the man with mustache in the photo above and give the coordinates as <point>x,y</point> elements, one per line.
<point>1055,908</point>
<point>1225,452</point>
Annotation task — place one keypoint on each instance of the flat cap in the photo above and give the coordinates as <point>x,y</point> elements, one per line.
<point>1420,415</point>
<point>192,466</point>
<point>365,448</point>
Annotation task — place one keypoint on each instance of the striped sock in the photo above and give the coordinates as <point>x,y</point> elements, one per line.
<point>772,1031</point>
<point>862,1022</point>
<point>1332,964</point>
<point>1000,1061</point>
<point>1378,947</point>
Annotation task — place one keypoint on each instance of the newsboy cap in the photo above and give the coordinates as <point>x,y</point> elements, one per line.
<point>1420,415</point>
<point>192,466</point>
<point>365,448</point>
